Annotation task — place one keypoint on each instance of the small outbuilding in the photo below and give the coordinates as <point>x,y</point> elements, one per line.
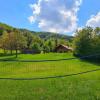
<point>63,48</point>
<point>29,51</point>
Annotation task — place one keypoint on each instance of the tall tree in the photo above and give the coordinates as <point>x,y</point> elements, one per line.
<point>29,39</point>
<point>4,41</point>
<point>19,41</point>
<point>83,41</point>
<point>87,42</point>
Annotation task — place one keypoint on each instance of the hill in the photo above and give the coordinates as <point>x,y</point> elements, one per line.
<point>43,35</point>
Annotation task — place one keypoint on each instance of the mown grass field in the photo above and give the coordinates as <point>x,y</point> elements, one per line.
<point>81,87</point>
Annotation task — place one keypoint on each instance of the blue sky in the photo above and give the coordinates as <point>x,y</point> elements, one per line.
<point>17,12</point>
<point>88,8</point>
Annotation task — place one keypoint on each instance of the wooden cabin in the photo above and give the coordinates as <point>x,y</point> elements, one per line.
<point>63,48</point>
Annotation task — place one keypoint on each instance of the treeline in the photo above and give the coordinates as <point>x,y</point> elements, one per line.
<point>87,42</point>
<point>13,39</point>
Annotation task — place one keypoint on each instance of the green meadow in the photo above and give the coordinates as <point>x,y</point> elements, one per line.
<point>80,87</point>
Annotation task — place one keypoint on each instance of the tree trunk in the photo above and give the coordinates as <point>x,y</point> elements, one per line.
<point>56,42</point>
<point>16,53</point>
<point>4,51</point>
<point>11,51</point>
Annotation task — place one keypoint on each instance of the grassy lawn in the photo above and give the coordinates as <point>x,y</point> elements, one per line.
<point>47,56</point>
<point>81,87</point>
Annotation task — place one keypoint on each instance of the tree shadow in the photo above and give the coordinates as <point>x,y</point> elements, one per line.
<point>7,57</point>
<point>92,61</point>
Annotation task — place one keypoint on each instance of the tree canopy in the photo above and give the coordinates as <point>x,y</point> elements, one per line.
<point>87,41</point>
<point>18,39</point>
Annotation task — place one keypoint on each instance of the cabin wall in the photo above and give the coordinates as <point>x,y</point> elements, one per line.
<point>62,50</point>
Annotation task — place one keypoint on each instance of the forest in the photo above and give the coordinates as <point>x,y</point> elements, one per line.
<point>18,39</point>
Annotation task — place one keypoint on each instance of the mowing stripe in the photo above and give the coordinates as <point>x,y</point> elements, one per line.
<point>51,77</point>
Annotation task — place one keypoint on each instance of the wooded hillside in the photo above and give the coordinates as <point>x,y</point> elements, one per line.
<point>22,39</point>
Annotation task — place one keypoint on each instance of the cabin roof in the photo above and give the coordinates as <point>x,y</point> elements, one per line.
<point>64,46</point>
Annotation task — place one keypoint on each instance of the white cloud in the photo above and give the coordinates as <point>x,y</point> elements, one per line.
<point>31,19</point>
<point>78,29</point>
<point>94,21</point>
<point>56,15</point>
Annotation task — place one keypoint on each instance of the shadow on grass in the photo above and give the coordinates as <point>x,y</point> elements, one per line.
<point>5,55</point>
<point>8,57</point>
<point>95,61</point>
